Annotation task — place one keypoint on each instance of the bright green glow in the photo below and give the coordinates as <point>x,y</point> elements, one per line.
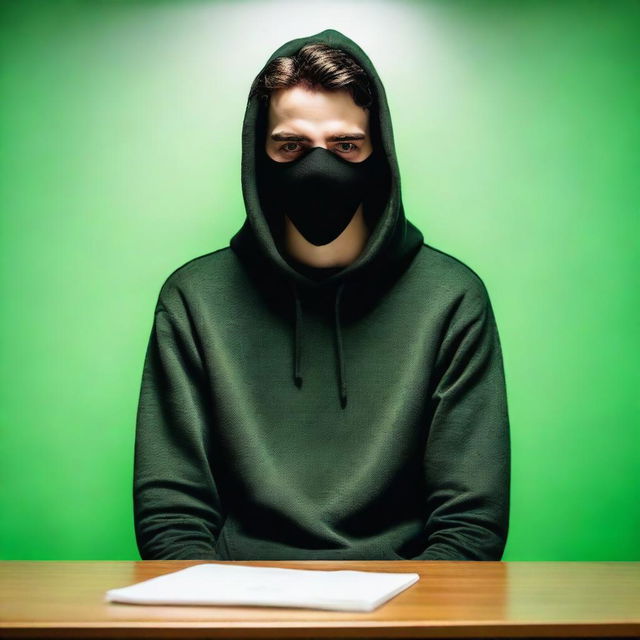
<point>517,133</point>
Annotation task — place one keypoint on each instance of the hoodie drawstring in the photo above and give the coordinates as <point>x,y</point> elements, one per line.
<point>297,375</point>
<point>297,372</point>
<point>342,379</point>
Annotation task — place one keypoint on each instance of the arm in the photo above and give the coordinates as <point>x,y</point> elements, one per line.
<point>467,457</point>
<point>176,503</point>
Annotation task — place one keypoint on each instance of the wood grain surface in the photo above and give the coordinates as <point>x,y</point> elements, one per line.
<point>52,599</point>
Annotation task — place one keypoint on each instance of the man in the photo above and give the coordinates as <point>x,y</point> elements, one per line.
<point>328,386</point>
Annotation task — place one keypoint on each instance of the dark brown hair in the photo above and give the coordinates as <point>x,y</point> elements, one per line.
<point>315,65</point>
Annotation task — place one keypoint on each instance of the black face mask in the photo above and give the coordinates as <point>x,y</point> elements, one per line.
<point>320,192</point>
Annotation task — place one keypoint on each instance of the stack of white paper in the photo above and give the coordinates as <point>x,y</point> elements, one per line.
<point>232,584</point>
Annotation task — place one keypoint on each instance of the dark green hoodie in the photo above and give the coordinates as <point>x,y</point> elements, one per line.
<point>361,415</point>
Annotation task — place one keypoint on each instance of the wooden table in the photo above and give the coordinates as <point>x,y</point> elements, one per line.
<point>451,600</point>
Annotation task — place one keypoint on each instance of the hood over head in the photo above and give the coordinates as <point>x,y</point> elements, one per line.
<point>392,244</point>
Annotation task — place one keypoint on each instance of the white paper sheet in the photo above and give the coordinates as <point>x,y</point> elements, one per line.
<point>233,584</point>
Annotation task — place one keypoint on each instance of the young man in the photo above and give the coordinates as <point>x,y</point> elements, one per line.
<point>328,386</point>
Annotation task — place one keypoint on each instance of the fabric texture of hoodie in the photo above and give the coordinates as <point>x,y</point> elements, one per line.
<point>353,413</point>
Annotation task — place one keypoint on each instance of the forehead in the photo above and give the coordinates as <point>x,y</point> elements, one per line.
<point>317,109</point>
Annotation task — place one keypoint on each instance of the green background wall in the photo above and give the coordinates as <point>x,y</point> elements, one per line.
<point>518,133</point>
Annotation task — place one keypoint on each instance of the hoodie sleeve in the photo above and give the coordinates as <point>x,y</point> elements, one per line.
<point>176,505</point>
<point>467,458</point>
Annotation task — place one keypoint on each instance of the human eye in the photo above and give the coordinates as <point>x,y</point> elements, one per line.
<point>285,147</point>
<point>346,151</point>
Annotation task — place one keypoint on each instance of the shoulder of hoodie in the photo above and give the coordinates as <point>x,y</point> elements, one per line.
<point>208,273</point>
<point>450,280</point>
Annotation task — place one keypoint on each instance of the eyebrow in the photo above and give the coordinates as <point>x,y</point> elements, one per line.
<point>284,136</point>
